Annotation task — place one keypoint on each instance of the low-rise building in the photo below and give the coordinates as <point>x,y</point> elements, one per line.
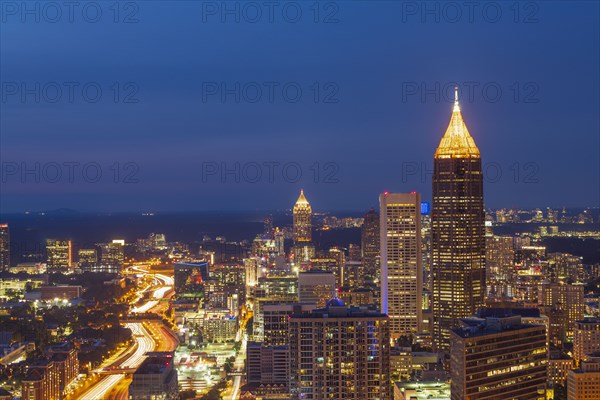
<point>155,379</point>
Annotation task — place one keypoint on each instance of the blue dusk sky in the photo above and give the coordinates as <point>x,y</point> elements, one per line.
<point>203,105</point>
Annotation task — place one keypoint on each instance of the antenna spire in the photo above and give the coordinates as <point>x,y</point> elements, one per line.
<point>456,106</point>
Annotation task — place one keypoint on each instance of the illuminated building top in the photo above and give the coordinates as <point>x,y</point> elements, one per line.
<point>457,141</point>
<point>302,200</point>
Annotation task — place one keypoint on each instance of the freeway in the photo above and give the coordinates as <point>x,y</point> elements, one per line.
<point>145,343</point>
<point>149,336</point>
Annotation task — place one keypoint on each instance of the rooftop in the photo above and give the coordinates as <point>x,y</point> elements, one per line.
<point>155,365</point>
<point>430,390</point>
<point>491,325</point>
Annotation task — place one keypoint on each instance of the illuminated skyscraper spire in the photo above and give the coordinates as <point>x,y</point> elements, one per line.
<point>457,141</point>
<point>458,230</point>
<point>302,220</point>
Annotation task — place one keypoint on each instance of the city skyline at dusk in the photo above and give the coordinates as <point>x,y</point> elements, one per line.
<point>299,200</point>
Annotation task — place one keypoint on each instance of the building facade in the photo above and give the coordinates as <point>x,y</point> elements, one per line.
<point>584,383</point>
<point>586,339</point>
<point>302,213</point>
<point>316,286</point>
<point>458,230</point>
<point>340,353</point>
<point>498,358</point>
<point>58,253</point>
<point>155,379</point>
<point>401,262</point>
<point>370,244</point>
<point>4,247</point>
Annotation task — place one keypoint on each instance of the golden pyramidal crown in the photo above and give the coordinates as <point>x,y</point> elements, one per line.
<point>457,141</point>
<point>302,200</point>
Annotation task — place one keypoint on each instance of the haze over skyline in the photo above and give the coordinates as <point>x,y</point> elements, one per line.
<point>376,99</point>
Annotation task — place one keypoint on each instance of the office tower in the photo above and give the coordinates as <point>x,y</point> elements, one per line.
<point>112,254</point>
<point>458,230</point>
<point>426,246</point>
<point>277,287</point>
<point>563,304</point>
<point>303,248</point>
<point>275,318</point>
<point>498,358</point>
<point>586,338</point>
<point>267,358</point>
<point>337,254</point>
<point>279,242</point>
<point>302,220</point>
<point>88,259</point>
<point>401,262</point>
<point>267,365</point>
<point>563,267</point>
<point>58,253</point>
<point>188,278</point>
<point>370,244</point>
<point>316,286</point>
<point>276,306</point>
<point>501,274</point>
<point>155,378</point>
<point>340,353</point>
<point>356,296</point>
<point>251,266</point>
<point>559,366</point>
<point>4,247</point>
<point>354,252</point>
<point>584,383</point>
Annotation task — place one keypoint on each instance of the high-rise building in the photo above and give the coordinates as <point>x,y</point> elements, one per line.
<point>58,253</point>
<point>340,353</point>
<point>501,274</point>
<point>274,287</point>
<point>316,286</point>
<point>563,304</point>
<point>498,358</point>
<point>4,247</point>
<point>88,259</point>
<point>370,244</point>
<point>303,247</point>
<point>302,220</point>
<point>458,230</point>
<point>112,254</point>
<point>354,252</point>
<point>276,321</point>
<point>268,365</point>
<point>584,383</point>
<point>401,262</point>
<point>586,338</point>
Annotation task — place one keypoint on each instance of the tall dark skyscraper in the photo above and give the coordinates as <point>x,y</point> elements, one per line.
<point>458,230</point>
<point>370,243</point>
<point>302,220</point>
<point>303,248</point>
<point>4,247</point>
